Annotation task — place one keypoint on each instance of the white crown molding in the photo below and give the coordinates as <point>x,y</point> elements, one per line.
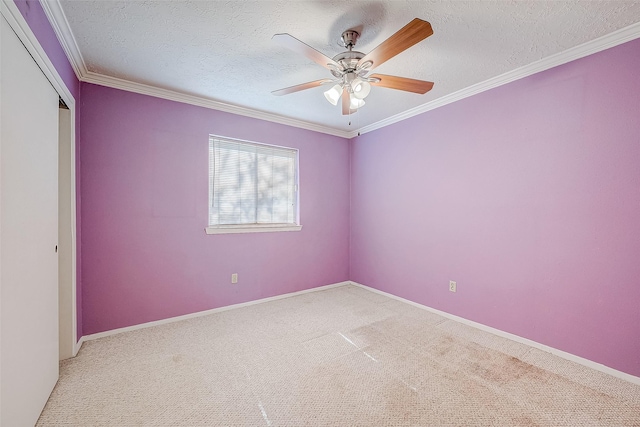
<point>144,89</point>
<point>615,38</point>
<point>59,22</point>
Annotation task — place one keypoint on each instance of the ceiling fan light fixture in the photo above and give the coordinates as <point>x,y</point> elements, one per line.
<point>356,103</point>
<point>350,68</point>
<point>361,88</point>
<point>333,94</point>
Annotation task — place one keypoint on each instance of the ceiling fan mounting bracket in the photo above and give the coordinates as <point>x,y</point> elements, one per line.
<point>349,38</point>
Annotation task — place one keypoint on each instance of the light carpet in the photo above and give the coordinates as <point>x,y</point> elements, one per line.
<point>339,357</point>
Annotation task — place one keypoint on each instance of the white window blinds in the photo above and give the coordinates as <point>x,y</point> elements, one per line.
<point>251,183</point>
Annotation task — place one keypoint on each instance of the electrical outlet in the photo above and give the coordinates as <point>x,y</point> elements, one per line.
<point>452,286</point>
<point>234,278</point>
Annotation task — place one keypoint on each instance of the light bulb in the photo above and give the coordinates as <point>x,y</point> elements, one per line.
<point>355,103</point>
<point>333,94</point>
<point>361,88</point>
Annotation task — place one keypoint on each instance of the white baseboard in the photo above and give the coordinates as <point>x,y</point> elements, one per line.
<point>563,354</point>
<point>77,347</point>
<point>201,313</point>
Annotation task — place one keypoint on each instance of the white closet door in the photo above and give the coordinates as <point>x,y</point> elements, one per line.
<point>28,235</point>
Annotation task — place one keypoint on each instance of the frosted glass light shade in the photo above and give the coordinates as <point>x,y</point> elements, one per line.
<point>361,88</point>
<point>333,94</point>
<point>355,103</point>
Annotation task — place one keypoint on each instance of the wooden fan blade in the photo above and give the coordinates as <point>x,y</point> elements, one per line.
<point>402,83</point>
<point>303,86</point>
<point>290,42</point>
<point>412,33</point>
<point>346,102</point>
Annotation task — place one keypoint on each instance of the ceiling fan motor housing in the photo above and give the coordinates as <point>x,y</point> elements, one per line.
<point>348,60</point>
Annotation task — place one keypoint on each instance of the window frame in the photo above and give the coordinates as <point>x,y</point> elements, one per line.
<point>253,227</point>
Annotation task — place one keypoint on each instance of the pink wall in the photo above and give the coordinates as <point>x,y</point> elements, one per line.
<point>527,195</point>
<point>37,20</point>
<point>144,209</point>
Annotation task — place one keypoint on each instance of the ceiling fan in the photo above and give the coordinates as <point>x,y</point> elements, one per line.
<point>350,68</point>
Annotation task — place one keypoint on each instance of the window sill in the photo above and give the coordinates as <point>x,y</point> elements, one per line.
<point>229,229</point>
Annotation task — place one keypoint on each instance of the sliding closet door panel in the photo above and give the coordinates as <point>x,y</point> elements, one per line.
<point>28,235</point>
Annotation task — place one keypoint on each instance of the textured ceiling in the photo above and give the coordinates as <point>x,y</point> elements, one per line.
<point>222,50</point>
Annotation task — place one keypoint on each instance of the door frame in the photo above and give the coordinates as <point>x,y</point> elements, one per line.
<point>20,26</point>
<point>66,300</point>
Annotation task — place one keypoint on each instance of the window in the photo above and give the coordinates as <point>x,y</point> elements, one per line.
<point>252,187</point>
